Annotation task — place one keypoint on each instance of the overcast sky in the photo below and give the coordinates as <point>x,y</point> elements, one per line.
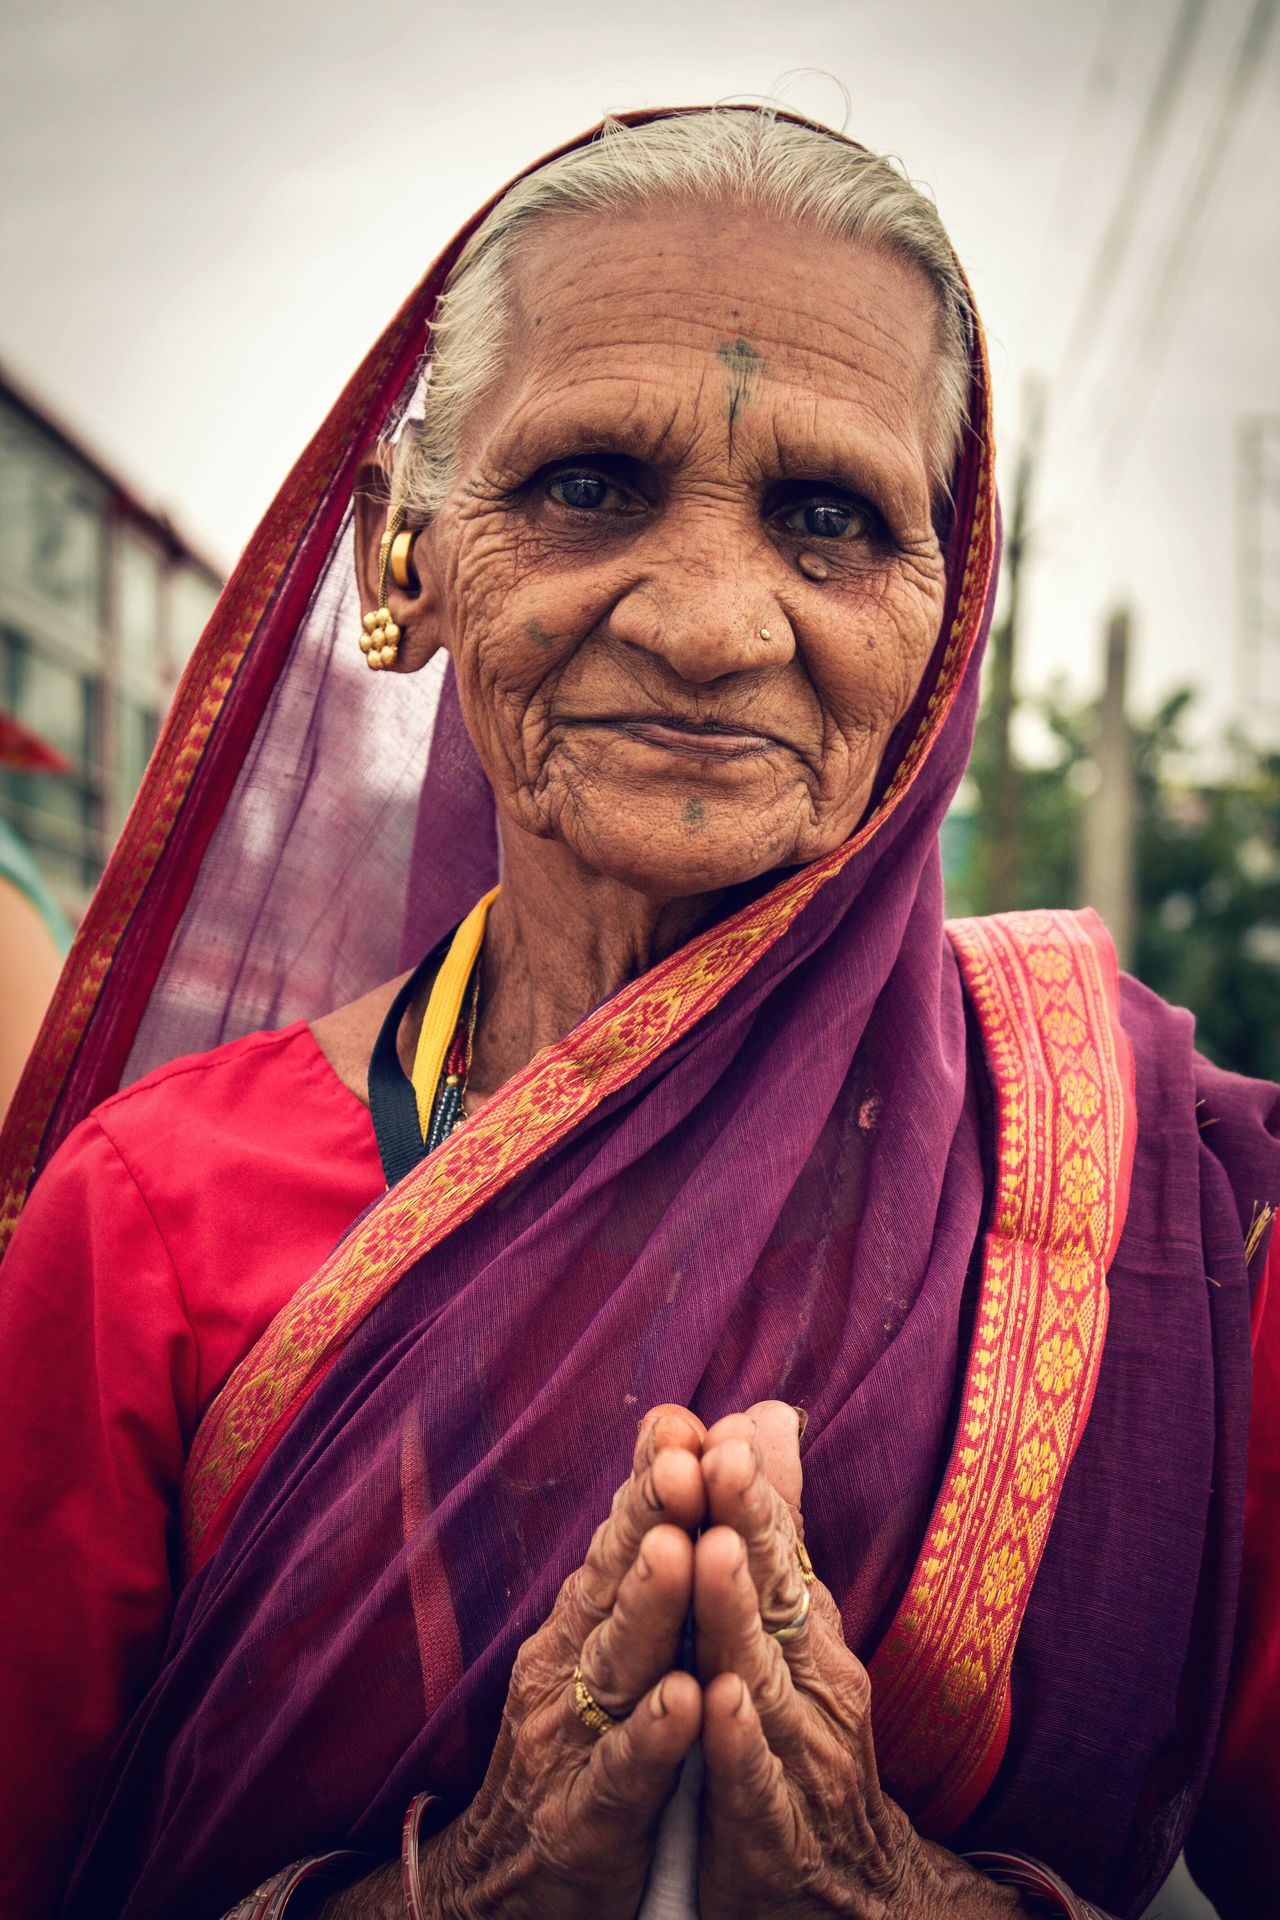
<point>209,213</point>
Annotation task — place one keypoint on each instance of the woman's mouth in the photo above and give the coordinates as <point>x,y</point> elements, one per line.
<point>701,738</point>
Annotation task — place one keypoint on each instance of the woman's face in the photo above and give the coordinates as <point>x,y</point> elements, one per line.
<point>688,574</point>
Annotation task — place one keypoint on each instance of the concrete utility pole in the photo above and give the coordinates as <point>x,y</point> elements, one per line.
<point>1111,816</point>
<point>1258,578</point>
<point>1006,784</point>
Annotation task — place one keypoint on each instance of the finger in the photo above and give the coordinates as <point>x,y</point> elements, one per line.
<point>632,1770</point>
<point>680,1417</point>
<point>812,1698</point>
<point>778,1430</point>
<point>774,1429</point>
<point>769,1823</point>
<point>639,1641</point>
<point>731,1638</point>
<point>665,1487</point>
<point>746,1787</point>
<point>739,1495</point>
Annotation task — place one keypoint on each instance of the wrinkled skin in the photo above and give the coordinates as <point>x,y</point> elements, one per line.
<point>714,415</point>
<point>795,1825</point>
<point>689,579</point>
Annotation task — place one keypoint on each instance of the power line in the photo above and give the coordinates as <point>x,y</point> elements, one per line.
<point>1119,231</point>
<point>1099,85</point>
<point>1215,145</point>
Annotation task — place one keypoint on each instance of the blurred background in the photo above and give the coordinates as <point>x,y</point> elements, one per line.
<point>209,213</point>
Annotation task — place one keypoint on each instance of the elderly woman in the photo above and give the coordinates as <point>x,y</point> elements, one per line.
<point>327,1335</point>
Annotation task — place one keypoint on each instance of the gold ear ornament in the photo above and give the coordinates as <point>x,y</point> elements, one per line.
<point>380,640</point>
<point>402,568</point>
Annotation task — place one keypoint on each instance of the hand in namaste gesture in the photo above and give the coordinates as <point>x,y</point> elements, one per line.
<point>599,1720</point>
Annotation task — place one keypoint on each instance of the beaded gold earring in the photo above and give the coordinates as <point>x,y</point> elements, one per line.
<point>380,641</point>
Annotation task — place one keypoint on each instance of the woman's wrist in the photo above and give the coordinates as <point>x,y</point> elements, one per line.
<point>378,1896</point>
<point>941,1885</point>
<point>1041,1889</point>
<point>398,1889</point>
<point>304,1889</point>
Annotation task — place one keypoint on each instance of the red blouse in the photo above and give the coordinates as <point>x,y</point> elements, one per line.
<point>175,1223</point>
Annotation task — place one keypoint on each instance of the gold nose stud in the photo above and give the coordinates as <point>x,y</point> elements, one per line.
<point>765,634</point>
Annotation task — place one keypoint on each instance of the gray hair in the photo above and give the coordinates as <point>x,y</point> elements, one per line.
<point>794,172</point>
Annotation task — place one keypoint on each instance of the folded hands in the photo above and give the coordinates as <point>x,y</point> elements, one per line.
<point>794,1823</point>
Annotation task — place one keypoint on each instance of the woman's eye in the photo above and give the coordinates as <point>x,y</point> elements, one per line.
<point>584,492</point>
<point>825,519</point>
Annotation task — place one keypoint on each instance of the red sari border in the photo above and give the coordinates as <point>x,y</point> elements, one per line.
<point>1045,988</point>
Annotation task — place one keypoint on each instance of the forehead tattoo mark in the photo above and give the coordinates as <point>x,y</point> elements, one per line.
<point>694,814</point>
<point>743,367</point>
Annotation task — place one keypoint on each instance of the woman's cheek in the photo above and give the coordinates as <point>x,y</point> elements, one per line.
<point>899,644</point>
<point>862,681</point>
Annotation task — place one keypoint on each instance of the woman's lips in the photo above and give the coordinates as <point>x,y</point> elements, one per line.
<point>679,736</point>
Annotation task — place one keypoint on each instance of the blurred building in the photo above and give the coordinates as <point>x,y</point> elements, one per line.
<point>101,603</point>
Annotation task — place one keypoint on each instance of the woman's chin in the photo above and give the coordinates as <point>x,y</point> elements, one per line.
<point>676,860</point>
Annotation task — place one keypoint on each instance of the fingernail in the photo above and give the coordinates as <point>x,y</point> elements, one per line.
<point>743,1698</point>
<point>643,1569</point>
<point>649,1493</point>
<point>802,1420</point>
<point>657,1702</point>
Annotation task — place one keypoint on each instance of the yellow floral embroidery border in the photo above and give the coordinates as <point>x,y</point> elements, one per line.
<point>1044,989</point>
<point>534,1112</point>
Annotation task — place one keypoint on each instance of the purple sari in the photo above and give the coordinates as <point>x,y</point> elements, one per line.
<point>785,1199</point>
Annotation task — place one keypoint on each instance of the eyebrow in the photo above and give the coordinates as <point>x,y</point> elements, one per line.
<point>847,459</point>
<point>584,431</point>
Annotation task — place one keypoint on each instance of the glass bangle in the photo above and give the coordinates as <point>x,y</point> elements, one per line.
<point>1046,1892</point>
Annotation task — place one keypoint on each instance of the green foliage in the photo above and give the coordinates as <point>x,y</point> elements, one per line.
<point>1207,857</point>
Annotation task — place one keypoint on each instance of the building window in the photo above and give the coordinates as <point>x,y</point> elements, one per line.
<point>136,730</point>
<point>194,597</point>
<point>137,611</point>
<point>51,524</point>
<point>56,814</point>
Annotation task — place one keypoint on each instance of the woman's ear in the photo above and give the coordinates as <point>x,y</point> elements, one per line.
<point>416,609</point>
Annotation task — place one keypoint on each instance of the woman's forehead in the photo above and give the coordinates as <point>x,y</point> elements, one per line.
<point>709,279</point>
<point>678,318</point>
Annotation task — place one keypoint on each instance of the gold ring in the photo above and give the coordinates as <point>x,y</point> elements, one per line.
<point>807,1573</point>
<point>588,1708</point>
<point>794,1628</point>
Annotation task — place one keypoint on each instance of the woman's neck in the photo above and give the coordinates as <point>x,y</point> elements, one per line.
<point>561,939</point>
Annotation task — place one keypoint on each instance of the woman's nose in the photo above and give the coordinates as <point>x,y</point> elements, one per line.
<point>705,620</point>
